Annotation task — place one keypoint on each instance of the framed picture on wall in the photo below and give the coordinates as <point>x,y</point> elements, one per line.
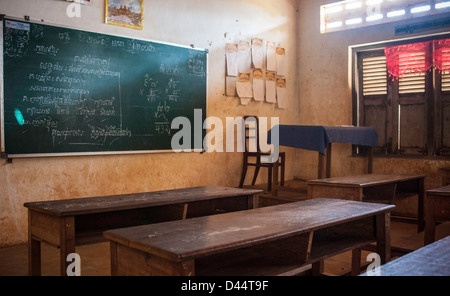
<point>126,13</point>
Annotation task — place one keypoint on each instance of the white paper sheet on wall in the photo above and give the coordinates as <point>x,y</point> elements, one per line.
<point>231,86</point>
<point>232,59</point>
<point>271,90</point>
<point>281,92</point>
<point>245,57</point>
<point>281,61</point>
<point>244,86</point>
<point>258,85</point>
<point>257,53</point>
<point>271,56</point>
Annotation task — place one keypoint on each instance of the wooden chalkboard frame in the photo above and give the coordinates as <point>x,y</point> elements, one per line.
<point>4,155</point>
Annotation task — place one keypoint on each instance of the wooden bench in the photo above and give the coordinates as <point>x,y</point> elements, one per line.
<point>437,207</point>
<point>67,223</point>
<point>431,260</point>
<point>278,240</point>
<point>372,188</point>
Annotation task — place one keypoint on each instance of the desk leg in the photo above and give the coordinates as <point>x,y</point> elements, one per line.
<point>252,201</point>
<point>383,222</point>
<point>430,223</point>
<point>320,166</point>
<point>34,250</point>
<point>67,242</point>
<point>420,210</point>
<point>356,261</point>
<point>328,164</point>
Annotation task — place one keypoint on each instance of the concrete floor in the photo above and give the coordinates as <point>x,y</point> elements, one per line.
<point>95,258</point>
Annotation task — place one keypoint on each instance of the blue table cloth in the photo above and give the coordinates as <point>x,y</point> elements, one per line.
<point>317,138</point>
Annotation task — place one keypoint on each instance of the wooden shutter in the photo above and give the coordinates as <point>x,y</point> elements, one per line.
<point>412,90</point>
<point>443,109</point>
<point>373,99</point>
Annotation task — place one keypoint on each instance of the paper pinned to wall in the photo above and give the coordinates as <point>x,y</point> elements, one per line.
<point>281,61</point>
<point>281,92</point>
<point>271,56</point>
<point>258,85</point>
<point>244,86</point>
<point>232,55</point>
<point>231,86</point>
<point>245,57</point>
<point>271,95</point>
<point>257,53</point>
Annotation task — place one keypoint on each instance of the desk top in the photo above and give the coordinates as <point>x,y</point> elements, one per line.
<point>365,180</point>
<point>197,237</point>
<point>317,138</point>
<point>440,191</point>
<point>91,205</point>
<point>431,260</point>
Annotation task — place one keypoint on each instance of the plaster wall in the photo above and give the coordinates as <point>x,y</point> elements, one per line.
<point>325,93</point>
<point>205,24</point>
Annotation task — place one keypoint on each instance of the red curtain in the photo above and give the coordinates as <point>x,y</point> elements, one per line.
<point>442,55</point>
<point>408,58</point>
<point>415,57</point>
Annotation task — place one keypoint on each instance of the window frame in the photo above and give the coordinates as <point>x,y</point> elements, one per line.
<point>434,102</point>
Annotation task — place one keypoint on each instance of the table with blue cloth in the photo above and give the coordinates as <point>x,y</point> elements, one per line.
<point>319,138</point>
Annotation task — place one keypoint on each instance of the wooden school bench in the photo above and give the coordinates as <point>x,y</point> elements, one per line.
<point>67,223</point>
<point>437,208</point>
<point>431,260</point>
<point>372,188</point>
<point>278,240</point>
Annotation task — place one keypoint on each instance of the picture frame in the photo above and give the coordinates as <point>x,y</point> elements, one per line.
<point>125,13</point>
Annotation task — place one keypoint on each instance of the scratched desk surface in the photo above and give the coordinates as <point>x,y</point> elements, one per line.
<point>193,238</point>
<point>90,205</point>
<point>432,260</point>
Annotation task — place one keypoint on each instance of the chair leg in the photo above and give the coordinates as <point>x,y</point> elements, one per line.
<point>282,170</point>
<point>255,176</point>
<point>244,172</point>
<point>270,178</point>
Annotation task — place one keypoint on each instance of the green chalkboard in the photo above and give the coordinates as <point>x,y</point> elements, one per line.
<point>72,91</point>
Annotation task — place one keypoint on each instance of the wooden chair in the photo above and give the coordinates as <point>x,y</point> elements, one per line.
<point>251,133</point>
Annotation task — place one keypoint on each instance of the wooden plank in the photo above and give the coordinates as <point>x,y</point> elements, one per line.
<point>199,237</point>
<point>268,259</point>
<point>431,260</point>
<point>132,262</point>
<point>320,191</point>
<point>437,206</point>
<point>90,205</point>
<point>383,232</point>
<point>67,242</point>
<point>365,180</point>
<point>45,228</point>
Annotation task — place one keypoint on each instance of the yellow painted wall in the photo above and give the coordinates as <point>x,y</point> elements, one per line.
<point>326,98</point>
<point>206,24</point>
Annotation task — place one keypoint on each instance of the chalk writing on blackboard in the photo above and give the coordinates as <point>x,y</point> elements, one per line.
<point>79,91</point>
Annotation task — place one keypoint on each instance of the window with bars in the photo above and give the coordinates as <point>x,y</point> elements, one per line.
<point>411,112</point>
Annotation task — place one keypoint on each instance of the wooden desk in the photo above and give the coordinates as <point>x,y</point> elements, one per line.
<point>320,139</point>
<point>372,188</point>
<point>437,208</point>
<point>431,260</point>
<point>66,223</point>
<point>446,177</point>
<point>274,240</point>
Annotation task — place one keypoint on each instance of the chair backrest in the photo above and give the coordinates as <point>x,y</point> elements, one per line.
<point>251,131</point>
